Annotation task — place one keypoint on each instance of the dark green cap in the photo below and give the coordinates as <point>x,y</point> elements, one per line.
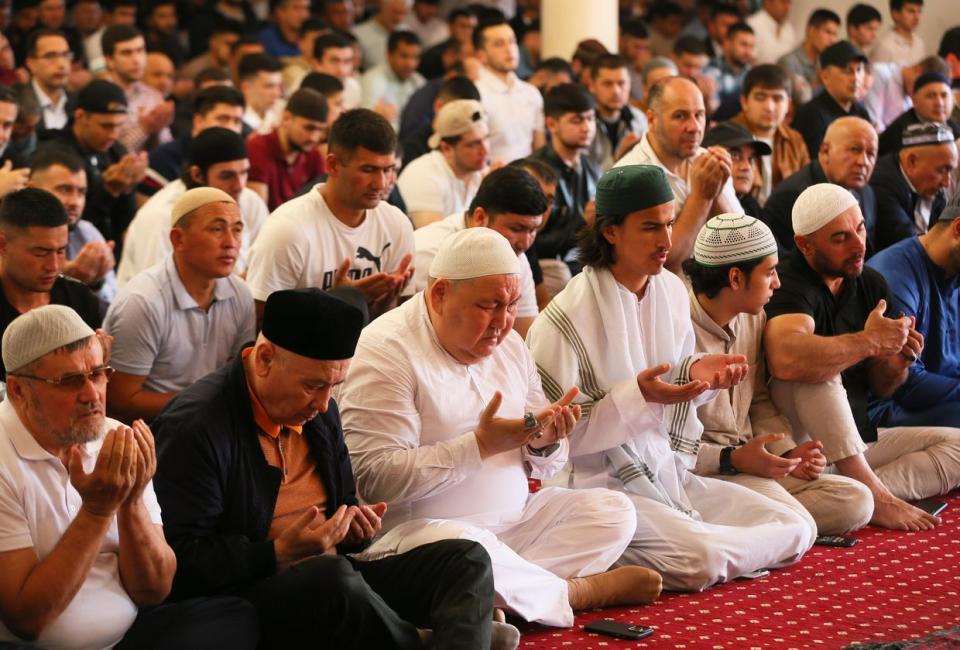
<point>626,189</point>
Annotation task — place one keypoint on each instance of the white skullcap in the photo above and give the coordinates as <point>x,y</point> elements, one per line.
<point>730,238</point>
<point>474,253</point>
<point>39,332</point>
<point>197,198</point>
<point>818,205</point>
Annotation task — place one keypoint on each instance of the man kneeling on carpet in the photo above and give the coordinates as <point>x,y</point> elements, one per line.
<point>733,273</point>
<point>258,498</point>
<point>614,331</point>
<point>445,417</point>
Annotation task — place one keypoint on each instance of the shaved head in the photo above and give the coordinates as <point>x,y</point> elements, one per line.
<point>848,152</point>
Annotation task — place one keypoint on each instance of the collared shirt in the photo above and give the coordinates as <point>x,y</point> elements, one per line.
<point>643,154</point>
<point>266,124</point>
<point>745,410</point>
<point>891,47</point>
<point>515,112</point>
<point>797,62</point>
<point>54,114</point>
<point>148,237</point>
<point>922,206</point>
<point>803,291</point>
<point>161,333</point>
<point>773,39</point>
<point>918,287</point>
<point>141,97</point>
<point>80,234</point>
<point>427,241</point>
<point>303,244</point>
<point>268,165</point>
<point>427,184</point>
<point>409,412</point>
<point>37,505</point>
<point>285,448</point>
<point>381,84</point>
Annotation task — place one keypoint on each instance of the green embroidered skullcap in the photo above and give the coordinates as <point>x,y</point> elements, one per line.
<point>730,238</point>
<point>626,189</point>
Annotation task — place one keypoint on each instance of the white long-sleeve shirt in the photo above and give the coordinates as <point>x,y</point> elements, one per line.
<point>409,412</point>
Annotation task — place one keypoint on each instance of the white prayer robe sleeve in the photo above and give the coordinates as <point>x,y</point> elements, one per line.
<point>382,429</point>
<point>527,307</point>
<point>605,423</point>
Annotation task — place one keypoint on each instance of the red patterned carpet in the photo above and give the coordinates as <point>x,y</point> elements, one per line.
<point>892,586</point>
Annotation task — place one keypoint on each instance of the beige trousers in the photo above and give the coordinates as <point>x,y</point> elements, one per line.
<point>832,504</point>
<point>913,462</point>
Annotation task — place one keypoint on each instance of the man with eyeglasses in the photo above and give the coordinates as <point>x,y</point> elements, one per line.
<point>48,59</point>
<point>83,559</point>
<point>33,244</point>
<point>746,152</point>
<point>186,316</point>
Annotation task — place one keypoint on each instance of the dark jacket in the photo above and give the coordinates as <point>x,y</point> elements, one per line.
<point>218,493</point>
<point>778,210</point>
<point>27,97</point>
<point>896,201</point>
<point>813,118</point>
<point>892,136</point>
<point>575,188</point>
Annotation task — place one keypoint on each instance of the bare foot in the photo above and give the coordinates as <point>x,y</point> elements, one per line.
<point>896,514</point>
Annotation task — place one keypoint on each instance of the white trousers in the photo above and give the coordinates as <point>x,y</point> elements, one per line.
<point>912,462</point>
<point>741,531</point>
<point>560,534</point>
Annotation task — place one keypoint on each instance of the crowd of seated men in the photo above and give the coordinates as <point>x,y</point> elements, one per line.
<point>362,324</point>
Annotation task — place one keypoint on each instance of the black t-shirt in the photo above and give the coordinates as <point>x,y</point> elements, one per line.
<point>65,291</point>
<point>803,291</point>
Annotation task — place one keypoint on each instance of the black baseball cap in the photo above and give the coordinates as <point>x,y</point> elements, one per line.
<point>840,54</point>
<point>731,134</point>
<point>101,96</point>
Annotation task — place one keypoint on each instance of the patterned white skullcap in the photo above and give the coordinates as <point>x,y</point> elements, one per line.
<point>818,205</point>
<point>39,332</point>
<point>474,253</point>
<point>730,238</point>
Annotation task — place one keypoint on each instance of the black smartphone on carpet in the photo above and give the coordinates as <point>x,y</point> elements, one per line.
<point>619,630</point>
<point>933,506</point>
<point>836,540</point>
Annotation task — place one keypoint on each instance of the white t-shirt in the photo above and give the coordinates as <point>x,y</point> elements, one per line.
<point>514,112</point>
<point>303,244</point>
<point>37,505</point>
<point>428,184</point>
<point>148,236</point>
<point>427,241</point>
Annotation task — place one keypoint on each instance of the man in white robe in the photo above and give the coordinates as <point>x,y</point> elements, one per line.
<point>746,440</point>
<point>445,418</point>
<point>614,331</point>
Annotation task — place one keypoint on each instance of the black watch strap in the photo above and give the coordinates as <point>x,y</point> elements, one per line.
<point>726,462</point>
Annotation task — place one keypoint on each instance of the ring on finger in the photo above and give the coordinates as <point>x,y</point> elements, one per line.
<point>530,421</point>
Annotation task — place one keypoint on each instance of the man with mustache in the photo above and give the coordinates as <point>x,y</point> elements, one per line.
<point>185,316</point>
<point>830,345</point>
<point>80,524</point>
<point>699,178</point>
<point>846,158</point>
<point>33,243</point>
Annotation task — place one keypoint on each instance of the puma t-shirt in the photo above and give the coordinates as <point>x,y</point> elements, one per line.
<point>302,244</point>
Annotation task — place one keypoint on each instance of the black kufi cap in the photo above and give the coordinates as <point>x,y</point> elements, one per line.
<point>216,145</point>
<point>314,323</point>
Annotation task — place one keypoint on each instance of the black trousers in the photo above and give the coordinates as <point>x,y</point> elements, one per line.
<point>332,601</point>
<point>194,624</point>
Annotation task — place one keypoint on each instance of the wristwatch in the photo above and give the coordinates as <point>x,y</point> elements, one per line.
<point>544,451</point>
<point>726,464</point>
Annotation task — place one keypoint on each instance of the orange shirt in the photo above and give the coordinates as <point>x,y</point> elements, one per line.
<point>285,448</point>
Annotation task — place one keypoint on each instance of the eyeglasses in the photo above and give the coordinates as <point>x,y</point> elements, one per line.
<point>75,380</point>
<point>53,56</point>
